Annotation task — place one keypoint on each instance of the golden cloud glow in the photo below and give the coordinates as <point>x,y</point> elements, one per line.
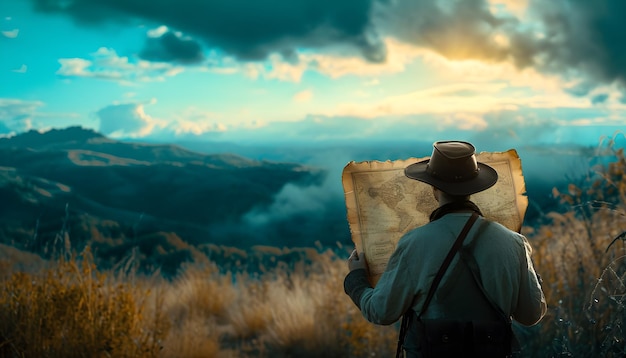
<point>474,88</point>
<point>303,96</point>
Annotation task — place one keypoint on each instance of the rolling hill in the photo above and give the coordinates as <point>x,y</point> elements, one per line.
<point>76,187</point>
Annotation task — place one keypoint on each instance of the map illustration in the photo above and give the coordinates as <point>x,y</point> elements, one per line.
<point>383,204</point>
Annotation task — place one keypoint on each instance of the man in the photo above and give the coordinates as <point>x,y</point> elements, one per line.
<point>491,276</point>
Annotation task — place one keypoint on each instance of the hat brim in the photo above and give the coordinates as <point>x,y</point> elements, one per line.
<point>486,178</point>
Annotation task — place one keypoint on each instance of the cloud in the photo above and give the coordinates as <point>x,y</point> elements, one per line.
<point>456,29</point>
<point>171,47</point>
<point>11,34</point>
<point>599,98</point>
<point>247,30</point>
<point>106,64</point>
<point>516,7</point>
<point>17,115</point>
<point>292,200</point>
<point>127,120</point>
<point>22,69</point>
<point>333,64</point>
<point>194,122</point>
<point>581,37</point>
<point>303,96</point>
<point>275,68</point>
<point>191,129</point>
<point>304,208</point>
<point>463,121</point>
<point>158,32</point>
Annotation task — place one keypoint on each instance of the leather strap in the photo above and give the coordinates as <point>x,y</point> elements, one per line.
<point>433,287</point>
<point>446,262</point>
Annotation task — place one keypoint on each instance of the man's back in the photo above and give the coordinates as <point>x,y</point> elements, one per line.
<point>501,257</point>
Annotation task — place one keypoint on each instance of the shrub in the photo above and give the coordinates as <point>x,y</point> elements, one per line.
<point>580,256</point>
<point>71,310</point>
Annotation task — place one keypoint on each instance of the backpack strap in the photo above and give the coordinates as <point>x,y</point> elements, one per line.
<point>433,287</point>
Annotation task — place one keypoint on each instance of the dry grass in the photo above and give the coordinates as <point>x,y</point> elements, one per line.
<point>74,311</point>
<point>71,310</point>
<point>584,286</point>
<point>581,256</point>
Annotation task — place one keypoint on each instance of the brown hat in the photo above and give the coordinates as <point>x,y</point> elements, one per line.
<point>453,169</point>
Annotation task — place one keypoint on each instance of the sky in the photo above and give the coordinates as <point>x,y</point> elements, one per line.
<point>500,73</point>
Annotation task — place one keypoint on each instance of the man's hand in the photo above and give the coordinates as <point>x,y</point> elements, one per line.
<point>357,261</point>
<point>356,281</point>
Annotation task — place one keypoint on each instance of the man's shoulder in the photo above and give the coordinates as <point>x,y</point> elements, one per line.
<point>494,229</point>
<point>495,226</point>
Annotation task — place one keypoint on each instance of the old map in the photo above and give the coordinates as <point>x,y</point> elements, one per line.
<point>382,204</point>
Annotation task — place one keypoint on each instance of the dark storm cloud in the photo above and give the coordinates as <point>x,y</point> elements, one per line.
<point>580,39</point>
<point>172,48</point>
<point>249,30</point>
<point>584,36</point>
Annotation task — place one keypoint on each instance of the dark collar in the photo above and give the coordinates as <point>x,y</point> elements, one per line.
<point>454,207</point>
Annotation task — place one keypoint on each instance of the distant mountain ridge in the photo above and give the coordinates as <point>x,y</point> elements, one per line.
<point>87,140</point>
<point>97,190</point>
<point>47,140</point>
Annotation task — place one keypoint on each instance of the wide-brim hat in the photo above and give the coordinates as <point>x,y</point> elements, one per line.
<point>453,169</point>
